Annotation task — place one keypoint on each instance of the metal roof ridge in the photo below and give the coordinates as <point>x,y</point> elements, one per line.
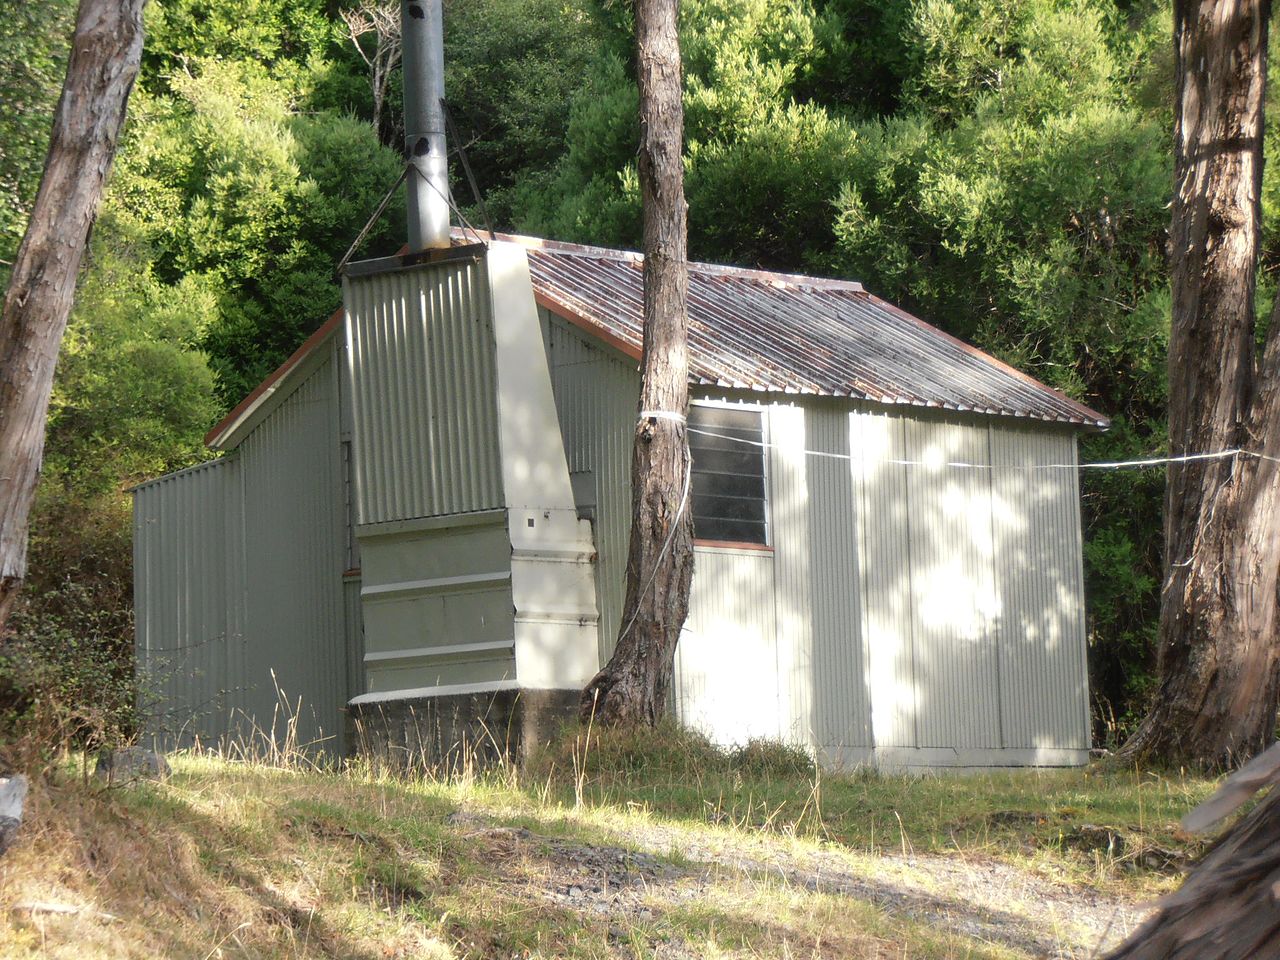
<point>698,266</point>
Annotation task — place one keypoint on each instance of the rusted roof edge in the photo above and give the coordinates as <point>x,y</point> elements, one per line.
<point>224,430</point>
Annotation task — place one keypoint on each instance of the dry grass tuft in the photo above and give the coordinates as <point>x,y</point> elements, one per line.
<point>626,844</point>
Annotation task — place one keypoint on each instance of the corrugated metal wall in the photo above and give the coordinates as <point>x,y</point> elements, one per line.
<point>912,607</point>
<point>973,606</point>
<point>885,540</point>
<point>426,439</point>
<point>1036,525</point>
<point>795,625</point>
<point>596,394</point>
<point>187,569</point>
<point>437,604</point>
<point>240,567</point>
<point>295,551</point>
<point>953,607</point>
<point>841,706</point>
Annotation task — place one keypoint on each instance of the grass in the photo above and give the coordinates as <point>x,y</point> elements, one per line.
<point>592,852</point>
<point>1029,817</point>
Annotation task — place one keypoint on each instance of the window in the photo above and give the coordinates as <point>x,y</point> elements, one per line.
<point>728,474</point>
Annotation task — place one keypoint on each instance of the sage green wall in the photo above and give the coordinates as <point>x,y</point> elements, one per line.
<point>435,584</point>
<point>437,603</point>
<point>188,602</point>
<point>423,392</point>
<point>596,391</point>
<point>910,615</point>
<point>239,593</point>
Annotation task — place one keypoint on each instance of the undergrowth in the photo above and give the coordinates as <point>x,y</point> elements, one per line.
<point>275,855</point>
<point>1103,825</point>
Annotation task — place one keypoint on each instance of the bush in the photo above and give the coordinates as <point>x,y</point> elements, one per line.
<point>66,666</point>
<point>66,679</point>
<point>762,759</point>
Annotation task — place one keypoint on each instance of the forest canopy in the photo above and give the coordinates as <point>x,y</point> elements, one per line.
<point>1003,170</point>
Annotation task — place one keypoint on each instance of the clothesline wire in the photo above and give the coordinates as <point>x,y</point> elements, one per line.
<point>1099,465</point>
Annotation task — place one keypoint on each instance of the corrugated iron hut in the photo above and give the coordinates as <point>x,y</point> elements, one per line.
<point>419,522</point>
<point>423,514</point>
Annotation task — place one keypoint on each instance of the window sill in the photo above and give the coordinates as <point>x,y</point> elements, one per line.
<point>733,545</point>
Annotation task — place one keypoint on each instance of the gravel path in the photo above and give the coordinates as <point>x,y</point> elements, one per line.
<point>979,898</point>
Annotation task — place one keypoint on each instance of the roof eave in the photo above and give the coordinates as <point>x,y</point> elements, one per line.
<point>235,426</point>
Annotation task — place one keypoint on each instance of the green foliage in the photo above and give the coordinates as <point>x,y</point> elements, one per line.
<point>253,202</point>
<point>593,193</point>
<point>863,57</point>
<point>274,33</point>
<point>34,41</point>
<point>66,670</point>
<point>65,680</point>
<point>764,198</point>
<point>1003,170</point>
<point>298,43</point>
<point>134,394</point>
<point>511,66</point>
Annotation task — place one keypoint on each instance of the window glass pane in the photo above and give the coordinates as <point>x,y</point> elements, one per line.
<point>727,484</point>
<point>733,531</point>
<point>728,508</point>
<point>728,474</point>
<point>748,461</point>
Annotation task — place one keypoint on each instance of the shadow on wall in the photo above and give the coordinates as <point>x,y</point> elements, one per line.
<point>937,605</point>
<point>974,606</point>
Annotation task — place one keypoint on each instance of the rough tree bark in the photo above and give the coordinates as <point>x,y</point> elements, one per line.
<point>632,687</point>
<point>105,52</point>
<point>1227,908</point>
<point>1217,659</point>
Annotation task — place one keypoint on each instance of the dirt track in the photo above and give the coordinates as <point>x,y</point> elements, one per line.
<point>979,898</point>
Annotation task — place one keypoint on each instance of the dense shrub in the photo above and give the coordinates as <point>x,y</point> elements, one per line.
<point>66,678</point>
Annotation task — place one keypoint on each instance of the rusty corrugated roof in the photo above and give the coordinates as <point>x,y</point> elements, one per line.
<point>783,333</point>
<point>757,330</point>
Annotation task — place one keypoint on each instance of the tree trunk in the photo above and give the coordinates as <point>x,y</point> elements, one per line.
<point>632,687</point>
<point>1217,660</point>
<point>1226,909</point>
<point>104,58</point>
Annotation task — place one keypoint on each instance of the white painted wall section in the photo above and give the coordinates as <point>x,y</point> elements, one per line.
<point>552,569</point>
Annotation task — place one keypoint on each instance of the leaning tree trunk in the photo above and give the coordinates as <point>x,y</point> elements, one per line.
<point>1217,659</point>
<point>632,687</point>
<point>86,125</point>
<point>1226,908</point>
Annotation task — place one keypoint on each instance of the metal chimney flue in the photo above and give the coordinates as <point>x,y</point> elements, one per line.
<point>422,40</point>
